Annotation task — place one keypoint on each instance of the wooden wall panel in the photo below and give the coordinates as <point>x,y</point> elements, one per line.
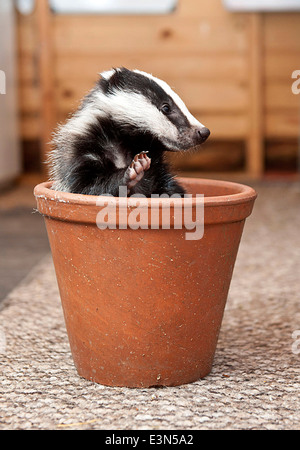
<point>201,55</point>
<point>30,126</point>
<point>229,68</point>
<point>279,96</point>
<point>282,33</point>
<point>155,34</point>
<point>203,51</point>
<point>282,125</point>
<point>28,78</point>
<point>282,57</point>
<point>29,98</point>
<point>280,67</point>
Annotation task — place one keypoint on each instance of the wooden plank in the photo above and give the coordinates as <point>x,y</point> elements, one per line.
<point>279,67</point>
<point>279,96</point>
<point>255,150</point>
<point>225,126</point>
<point>213,96</point>
<point>282,154</point>
<point>197,67</point>
<point>26,33</point>
<point>213,155</point>
<point>27,69</point>
<point>106,35</point>
<point>281,32</point>
<point>46,63</point>
<point>213,8</point>
<point>29,98</point>
<point>282,124</point>
<point>29,126</point>
<point>208,9</point>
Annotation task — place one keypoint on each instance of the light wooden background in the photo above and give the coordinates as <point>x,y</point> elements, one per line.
<point>232,70</point>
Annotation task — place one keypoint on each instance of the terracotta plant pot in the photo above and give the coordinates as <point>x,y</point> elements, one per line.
<point>143,307</point>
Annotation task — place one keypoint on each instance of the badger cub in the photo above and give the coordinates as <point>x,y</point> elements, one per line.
<point>118,137</point>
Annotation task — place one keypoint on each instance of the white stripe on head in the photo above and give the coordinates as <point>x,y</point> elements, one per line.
<point>177,100</point>
<point>135,109</point>
<point>79,123</point>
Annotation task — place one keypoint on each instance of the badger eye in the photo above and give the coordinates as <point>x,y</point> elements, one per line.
<point>166,108</point>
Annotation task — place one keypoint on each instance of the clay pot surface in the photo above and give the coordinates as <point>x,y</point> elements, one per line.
<point>143,307</point>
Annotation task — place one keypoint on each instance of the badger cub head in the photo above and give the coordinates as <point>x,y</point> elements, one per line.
<point>138,102</point>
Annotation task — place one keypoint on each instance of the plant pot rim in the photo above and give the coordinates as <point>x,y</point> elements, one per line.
<point>236,205</point>
<point>241,194</point>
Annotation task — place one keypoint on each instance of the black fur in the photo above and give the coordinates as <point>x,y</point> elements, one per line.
<point>99,177</point>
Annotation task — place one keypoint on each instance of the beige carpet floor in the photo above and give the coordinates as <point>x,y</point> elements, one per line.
<point>255,381</point>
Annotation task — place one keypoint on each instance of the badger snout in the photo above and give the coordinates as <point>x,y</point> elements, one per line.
<point>200,135</point>
<point>192,137</point>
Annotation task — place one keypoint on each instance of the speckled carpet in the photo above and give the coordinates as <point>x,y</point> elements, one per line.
<point>255,381</point>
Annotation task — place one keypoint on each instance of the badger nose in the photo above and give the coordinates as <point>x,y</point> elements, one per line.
<point>204,133</point>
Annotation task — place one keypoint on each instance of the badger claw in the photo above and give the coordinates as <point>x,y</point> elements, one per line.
<point>135,172</point>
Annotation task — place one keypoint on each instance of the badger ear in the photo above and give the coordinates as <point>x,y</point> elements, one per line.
<point>113,79</point>
<point>107,74</point>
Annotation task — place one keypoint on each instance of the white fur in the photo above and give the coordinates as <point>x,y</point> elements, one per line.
<point>119,160</point>
<point>135,109</point>
<point>92,157</point>
<point>79,123</point>
<point>177,100</point>
<point>107,74</point>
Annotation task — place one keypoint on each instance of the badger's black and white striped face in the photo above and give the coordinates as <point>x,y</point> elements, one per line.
<point>141,103</point>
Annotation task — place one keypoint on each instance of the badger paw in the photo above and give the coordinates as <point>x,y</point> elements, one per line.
<point>135,172</point>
